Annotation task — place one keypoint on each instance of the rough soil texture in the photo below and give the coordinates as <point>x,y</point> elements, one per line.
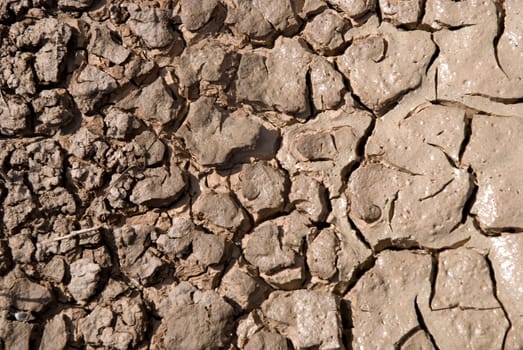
<point>261,174</point>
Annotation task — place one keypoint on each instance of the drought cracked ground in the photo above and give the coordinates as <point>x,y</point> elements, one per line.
<point>261,174</point>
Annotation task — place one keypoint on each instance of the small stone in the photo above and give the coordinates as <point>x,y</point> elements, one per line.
<point>131,242</point>
<point>51,37</point>
<point>147,268</point>
<point>291,278</point>
<point>275,248</point>
<point>18,74</point>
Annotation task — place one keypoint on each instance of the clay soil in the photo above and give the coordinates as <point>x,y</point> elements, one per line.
<point>261,174</point>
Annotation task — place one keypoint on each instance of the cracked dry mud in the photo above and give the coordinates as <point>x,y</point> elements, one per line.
<point>261,174</point>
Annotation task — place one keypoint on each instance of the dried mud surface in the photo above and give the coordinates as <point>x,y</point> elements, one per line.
<point>261,174</point>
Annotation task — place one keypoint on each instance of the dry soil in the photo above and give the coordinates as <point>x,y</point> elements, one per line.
<point>261,174</point>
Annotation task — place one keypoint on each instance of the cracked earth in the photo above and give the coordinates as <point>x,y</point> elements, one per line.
<point>261,174</point>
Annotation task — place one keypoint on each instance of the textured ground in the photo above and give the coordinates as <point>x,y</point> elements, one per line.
<point>261,174</point>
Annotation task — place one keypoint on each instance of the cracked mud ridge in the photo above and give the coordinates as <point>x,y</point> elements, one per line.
<point>261,174</point>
